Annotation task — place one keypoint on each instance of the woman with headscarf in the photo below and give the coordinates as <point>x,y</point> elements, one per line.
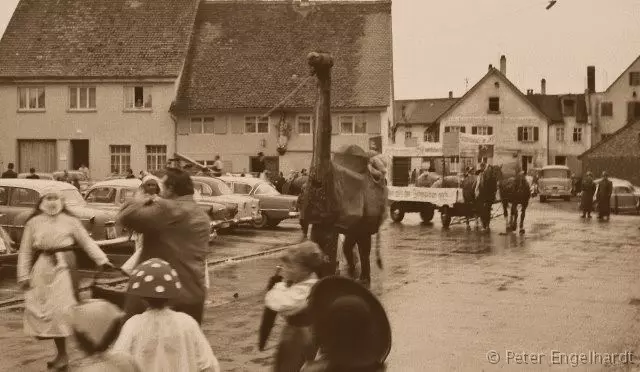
<point>586,199</point>
<point>47,270</point>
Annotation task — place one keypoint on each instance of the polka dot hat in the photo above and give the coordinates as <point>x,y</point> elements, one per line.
<point>154,278</point>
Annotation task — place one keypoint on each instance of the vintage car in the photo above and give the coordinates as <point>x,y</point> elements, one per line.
<point>43,176</point>
<point>112,195</point>
<point>212,189</point>
<point>82,178</point>
<point>274,207</point>
<point>554,182</point>
<point>625,197</point>
<point>18,198</point>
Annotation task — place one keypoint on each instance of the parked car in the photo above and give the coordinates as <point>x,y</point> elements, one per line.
<point>82,178</point>
<point>43,176</point>
<point>18,198</point>
<point>112,195</point>
<point>625,197</point>
<point>554,182</point>
<point>274,206</point>
<point>213,189</point>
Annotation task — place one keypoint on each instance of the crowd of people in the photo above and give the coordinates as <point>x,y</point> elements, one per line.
<point>158,326</point>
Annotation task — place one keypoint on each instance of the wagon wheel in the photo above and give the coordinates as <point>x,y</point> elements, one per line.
<point>445,216</point>
<point>427,215</point>
<point>396,213</point>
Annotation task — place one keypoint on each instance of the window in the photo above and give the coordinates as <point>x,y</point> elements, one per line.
<point>360,125</point>
<point>4,195</point>
<point>569,106</point>
<point>577,134</point>
<point>528,134</point>
<point>556,173</point>
<point>31,98</point>
<point>621,190</point>
<point>408,134</point>
<point>24,198</point>
<point>560,134</point>
<point>304,124</point>
<point>634,78</point>
<point>202,125</point>
<point>137,98</point>
<point>453,129</point>
<point>561,160</point>
<point>431,135</point>
<point>127,195</point>
<point>346,124</point>
<point>202,189</point>
<point>82,98</point>
<point>120,158</point>
<point>241,188</point>
<point>454,164</point>
<point>482,130</point>
<point>256,124</point>
<point>156,157</point>
<point>606,109</point>
<point>494,104</point>
<point>266,190</point>
<point>106,195</point>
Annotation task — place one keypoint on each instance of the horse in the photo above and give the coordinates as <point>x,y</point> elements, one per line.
<point>485,189</point>
<point>515,191</point>
<point>468,186</point>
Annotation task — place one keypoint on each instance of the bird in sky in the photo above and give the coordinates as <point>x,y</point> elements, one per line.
<point>551,3</point>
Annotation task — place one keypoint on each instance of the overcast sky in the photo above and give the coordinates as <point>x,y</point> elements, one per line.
<point>438,45</point>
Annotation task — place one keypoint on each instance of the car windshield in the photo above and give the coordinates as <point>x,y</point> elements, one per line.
<point>266,189</point>
<point>555,173</point>
<point>72,197</point>
<point>219,188</point>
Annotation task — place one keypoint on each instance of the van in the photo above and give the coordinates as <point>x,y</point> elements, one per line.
<point>554,183</point>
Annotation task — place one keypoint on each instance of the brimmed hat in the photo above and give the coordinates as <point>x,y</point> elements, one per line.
<point>351,325</point>
<point>94,318</point>
<point>154,278</point>
<point>307,254</point>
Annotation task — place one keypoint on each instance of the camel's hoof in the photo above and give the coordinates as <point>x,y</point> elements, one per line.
<point>521,231</point>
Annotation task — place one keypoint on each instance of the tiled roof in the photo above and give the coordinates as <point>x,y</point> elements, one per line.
<point>421,111</point>
<point>551,105</point>
<point>97,38</point>
<point>622,143</point>
<point>251,54</point>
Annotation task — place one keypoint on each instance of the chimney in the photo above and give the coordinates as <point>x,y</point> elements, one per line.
<point>503,65</point>
<point>543,86</point>
<point>450,94</point>
<point>490,67</point>
<point>591,79</point>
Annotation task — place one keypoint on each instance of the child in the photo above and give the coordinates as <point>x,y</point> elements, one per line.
<point>161,339</point>
<point>96,324</point>
<point>297,345</point>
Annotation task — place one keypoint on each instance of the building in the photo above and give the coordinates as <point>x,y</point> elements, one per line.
<point>247,56</point>
<point>618,154</point>
<point>569,127</point>
<point>91,82</point>
<point>618,105</point>
<point>494,108</point>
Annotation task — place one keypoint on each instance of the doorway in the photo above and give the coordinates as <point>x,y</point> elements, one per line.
<point>271,163</point>
<point>79,153</point>
<point>527,161</point>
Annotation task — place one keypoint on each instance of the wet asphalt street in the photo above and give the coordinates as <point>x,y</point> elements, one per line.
<point>566,286</point>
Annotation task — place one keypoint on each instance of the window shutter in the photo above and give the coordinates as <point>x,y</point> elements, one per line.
<point>474,130</point>
<point>436,133</point>
<point>535,134</point>
<point>463,129</point>
<point>237,125</point>
<point>335,124</point>
<point>490,131</point>
<point>520,134</point>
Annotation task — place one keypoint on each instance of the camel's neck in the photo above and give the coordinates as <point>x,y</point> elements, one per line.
<point>322,134</point>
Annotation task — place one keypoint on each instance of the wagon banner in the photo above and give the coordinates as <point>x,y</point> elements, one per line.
<point>438,197</point>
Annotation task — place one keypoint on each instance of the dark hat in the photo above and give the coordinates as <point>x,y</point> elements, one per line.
<point>351,325</point>
<point>154,278</point>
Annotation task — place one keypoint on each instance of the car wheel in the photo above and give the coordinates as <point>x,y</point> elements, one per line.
<point>262,222</point>
<point>427,215</point>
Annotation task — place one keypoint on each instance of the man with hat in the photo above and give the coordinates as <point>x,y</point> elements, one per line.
<point>603,197</point>
<point>351,328</point>
<point>586,199</point>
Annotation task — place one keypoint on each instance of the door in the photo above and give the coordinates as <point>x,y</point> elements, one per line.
<point>527,161</point>
<point>400,169</point>
<point>39,154</point>
<point>79,153</point>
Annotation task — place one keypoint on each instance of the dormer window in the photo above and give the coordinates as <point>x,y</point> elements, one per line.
<point>634,78</point>
<point>494,105</point>
<point>569,107</point>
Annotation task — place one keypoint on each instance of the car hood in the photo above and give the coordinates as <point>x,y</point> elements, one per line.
<point>88,212</point>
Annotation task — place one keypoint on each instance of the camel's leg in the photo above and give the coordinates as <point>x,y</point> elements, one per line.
<point>505,213</point>
<point>514,217</point>
<point>522,215</point>
<point>364,250</point>
<point>347,250</point>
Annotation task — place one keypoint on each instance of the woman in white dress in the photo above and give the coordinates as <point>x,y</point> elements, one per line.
<point>47,271</point>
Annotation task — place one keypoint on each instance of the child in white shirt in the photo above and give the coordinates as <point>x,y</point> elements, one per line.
<point>289,298</point>
<point>160,339</point>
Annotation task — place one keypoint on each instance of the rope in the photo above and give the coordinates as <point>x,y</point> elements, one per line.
<point>285,99</point>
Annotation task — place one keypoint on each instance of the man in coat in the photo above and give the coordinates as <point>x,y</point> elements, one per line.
<point>603,197</point>
<point>174,230</point>
<point>586,200</point>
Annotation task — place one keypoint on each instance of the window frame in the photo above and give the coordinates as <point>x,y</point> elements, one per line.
<point>558,131</point>
<point>77,89</point>
<point>257,120</point>
<point>577,132</point>
<point>496,100</point>
<point>28,90</point>
<point>529,131</point>
<point>342,120</point>
<point>203,127</point>
<point>486,129</point>
<point>160,163</point>
<point>572,111</point>
<point>121,156</point>
<point>242,185</point>
<point>14,193</point>
<point>298,122</point>
<point>609,111</point>
<point>113,192</point>
<point>461,129</point>
<point>634,78</point>
<point>431,136</point>
<point>129,93</point>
